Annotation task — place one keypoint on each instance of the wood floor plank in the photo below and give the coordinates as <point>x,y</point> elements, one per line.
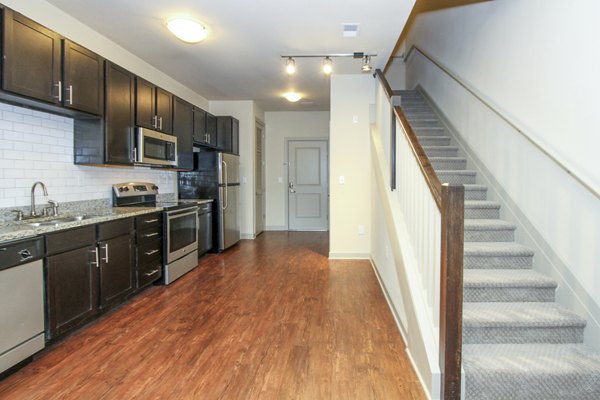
<point>271,318</point>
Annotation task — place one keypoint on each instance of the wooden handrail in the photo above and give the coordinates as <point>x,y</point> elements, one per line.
<point>384,83</point>
<point>431,177</point>
<point>510,122</point>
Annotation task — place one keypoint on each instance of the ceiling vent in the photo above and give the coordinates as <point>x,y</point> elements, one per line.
<point>350,30</point>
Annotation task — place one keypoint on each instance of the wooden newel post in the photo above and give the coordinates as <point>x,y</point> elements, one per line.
<point>451,295</point>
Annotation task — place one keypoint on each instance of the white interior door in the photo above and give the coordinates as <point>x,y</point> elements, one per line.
<point>308,208</point>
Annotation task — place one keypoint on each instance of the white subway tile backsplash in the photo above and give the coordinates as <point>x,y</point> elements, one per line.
<point>39,146</point>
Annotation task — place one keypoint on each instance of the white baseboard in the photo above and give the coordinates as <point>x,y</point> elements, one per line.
<point>248,236</point>
<point>349,256</point>
<point>275,228</point>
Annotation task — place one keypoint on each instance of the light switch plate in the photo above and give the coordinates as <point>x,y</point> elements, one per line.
<point>342,179</point>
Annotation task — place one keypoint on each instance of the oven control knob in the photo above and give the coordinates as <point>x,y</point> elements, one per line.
<point>154,187</point>
<point>123,189</point>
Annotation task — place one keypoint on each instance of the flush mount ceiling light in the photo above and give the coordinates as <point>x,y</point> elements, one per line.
<point>290,66</point>
<point>187,29</point>
<point>292,97</point>
<point>327,65</point>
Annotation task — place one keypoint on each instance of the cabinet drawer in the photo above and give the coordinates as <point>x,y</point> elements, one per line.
<point>115,228</point>
<point>149,234</point>
<point>148,253</point>
<point>149,273</point>
<point>148,220</point>
<point>60,242</point>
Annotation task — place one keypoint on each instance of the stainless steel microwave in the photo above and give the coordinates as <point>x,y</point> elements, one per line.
<point>156,148</point>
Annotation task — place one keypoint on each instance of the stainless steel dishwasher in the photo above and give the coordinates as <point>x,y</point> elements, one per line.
<point>205,228</point>
<point>21,300</point>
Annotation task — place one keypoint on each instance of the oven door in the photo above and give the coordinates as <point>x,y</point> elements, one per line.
<point>182,233</point>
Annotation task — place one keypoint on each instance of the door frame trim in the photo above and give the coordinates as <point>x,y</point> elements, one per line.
<point>259,123</point>
<point>286,164</point>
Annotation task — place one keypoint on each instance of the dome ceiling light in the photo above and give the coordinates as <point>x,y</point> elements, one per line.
<point>187,29</point>
<point>292,97</point>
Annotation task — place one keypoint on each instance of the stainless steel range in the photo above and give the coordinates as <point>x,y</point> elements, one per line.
<point>180,226</point>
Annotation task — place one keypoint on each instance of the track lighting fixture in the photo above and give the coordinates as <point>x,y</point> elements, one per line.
<point>327,66</point>
<point>290,66</point>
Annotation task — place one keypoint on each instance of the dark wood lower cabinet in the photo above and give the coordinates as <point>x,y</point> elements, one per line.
<point>71,289</point>
<point>116,269</point>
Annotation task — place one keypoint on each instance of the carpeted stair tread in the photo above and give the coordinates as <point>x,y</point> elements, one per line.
<point>497,249</point>
<point>531,372</point>
<point>513,314</point>
<point>520,322</point>
<point>481,209</point>
<point>429,131</point>
<point>456,176</point>
<point>500,255</point>
<point>498,285</point>
<point>489,230</point>
<point>434,140</point>
<point>474,191</point>
<point>433,150</point>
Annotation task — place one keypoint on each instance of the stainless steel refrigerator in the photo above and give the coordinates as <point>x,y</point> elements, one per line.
<point>216,176</point>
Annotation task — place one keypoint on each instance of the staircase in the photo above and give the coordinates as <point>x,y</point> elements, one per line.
<point>517,342</point>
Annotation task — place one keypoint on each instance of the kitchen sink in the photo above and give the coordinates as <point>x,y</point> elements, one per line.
<point>59,221</point>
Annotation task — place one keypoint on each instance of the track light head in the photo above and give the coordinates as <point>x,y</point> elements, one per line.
<point>290,66</point>
<point>327,66</point>
<point>366,67</point>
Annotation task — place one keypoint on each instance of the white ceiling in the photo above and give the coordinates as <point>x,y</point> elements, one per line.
<point>241,59</point>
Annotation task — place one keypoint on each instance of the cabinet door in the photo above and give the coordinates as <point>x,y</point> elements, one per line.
<point>164,110</point>
<point>224,140</point>
<point>119,123</point>
<point>200,135</point>
<point>235,136</point>
<point>116,269</point>
<point>183,126</point>
<point>83,73</point>
<point>211,129</point>
<point>145,104</point>
<point>31,58</point>
<point>71,289</point>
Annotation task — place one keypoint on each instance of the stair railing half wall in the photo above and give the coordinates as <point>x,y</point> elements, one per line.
<point>555,158</point>
<point>433,214</point>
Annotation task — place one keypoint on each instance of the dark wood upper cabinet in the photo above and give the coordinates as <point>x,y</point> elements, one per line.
<point>119,126</point>
<point>200,135</point>
<point>153,107</point>
<point>228,134</point>
<point>31,58</point>
<point>83,79</point>
<point>183,127</point>
<point>211,129</point>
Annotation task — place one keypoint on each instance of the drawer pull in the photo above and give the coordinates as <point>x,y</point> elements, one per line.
<point>149,253</point>
<point>151,234</point>
<point>151,272</point>
<point>151,221</point>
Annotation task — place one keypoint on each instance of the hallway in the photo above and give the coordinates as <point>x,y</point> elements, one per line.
<point>271,318</point>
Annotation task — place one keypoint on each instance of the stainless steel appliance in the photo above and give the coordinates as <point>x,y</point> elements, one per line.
<point>22,300</point>
<point>216,176</point>
<point>205,230</point>
<point>180,226</point>
<point>155,148</point>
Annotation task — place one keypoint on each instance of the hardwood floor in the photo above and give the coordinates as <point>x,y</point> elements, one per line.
<point>271,318</point>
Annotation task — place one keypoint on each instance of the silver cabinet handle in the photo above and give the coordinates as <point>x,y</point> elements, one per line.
<point>59,86</point>
<point>151,272</point>
<point>70,89</point>
<point>151,221</point>
<point>155,122</point>
<point>151,234</point>
<point>97,262</point>
<point>149,253</point>
<point>160,124</point>
<point>105,248</point>
<point>134,154</point>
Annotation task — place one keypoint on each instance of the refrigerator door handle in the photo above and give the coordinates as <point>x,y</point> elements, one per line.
<point>225,185</point>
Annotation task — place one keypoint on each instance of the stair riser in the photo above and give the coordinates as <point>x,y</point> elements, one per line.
<point>509,294</point>
<point>521,335</point>
<point>429,131</point>
<point>501,262</point>
<point>434,141</point>
<point>475,194</point>
<point>440,152</point>
<point>441,165</point>
<point>504,235</point>
<point>455,178</point>
<point>482,213</point>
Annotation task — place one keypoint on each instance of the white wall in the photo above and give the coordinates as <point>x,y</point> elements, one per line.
<point>246,113</point>
<point>279,127</point>
<point>57,20</point>
<point>534,61</point>
<point>349,146</point>
<point>39,146</point>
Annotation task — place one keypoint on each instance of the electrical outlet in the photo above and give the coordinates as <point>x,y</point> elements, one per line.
<point>279,179</point>
<point>361,229</point>
<point>342,179</point>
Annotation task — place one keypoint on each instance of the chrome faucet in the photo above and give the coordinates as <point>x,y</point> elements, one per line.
<point>33,213</point>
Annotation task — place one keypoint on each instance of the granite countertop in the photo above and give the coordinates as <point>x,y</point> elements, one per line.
<point>15,230</point>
